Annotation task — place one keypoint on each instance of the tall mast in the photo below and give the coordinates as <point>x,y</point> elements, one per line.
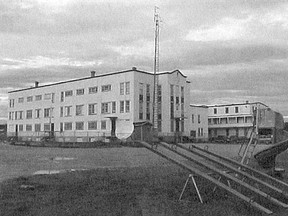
<point>156,70</point>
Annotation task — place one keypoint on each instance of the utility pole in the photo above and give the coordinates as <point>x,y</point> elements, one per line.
<point>156,70</point>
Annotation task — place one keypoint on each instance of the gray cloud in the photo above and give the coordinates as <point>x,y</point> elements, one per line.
<point>120,35</point>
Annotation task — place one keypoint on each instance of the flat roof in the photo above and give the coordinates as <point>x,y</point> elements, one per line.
<point>237,104</point>
<point>198,106</point>
<point>98,76</point>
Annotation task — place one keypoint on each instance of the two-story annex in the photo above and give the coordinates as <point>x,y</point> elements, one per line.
<point>86,109</point>
<point>232,119</point>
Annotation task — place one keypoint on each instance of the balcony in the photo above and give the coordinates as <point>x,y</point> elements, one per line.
<point>229,122</point>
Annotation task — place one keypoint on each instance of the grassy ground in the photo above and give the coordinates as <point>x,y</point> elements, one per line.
<point>125,191</point>
<point>151,189</point>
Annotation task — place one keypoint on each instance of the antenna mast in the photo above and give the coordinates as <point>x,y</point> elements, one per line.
<point>156,69</point>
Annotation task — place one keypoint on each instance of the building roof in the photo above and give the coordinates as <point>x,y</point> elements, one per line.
<point>198,106</point>
<point>237,104</point>
<point>98,76</point>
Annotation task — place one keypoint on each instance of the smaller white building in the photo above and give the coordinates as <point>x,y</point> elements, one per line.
<point>198,122</point>
<point>232,119</point>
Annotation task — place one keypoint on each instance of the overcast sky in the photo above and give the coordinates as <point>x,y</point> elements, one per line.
<point>231,50</point>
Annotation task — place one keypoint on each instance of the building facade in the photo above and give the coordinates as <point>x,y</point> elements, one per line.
<point>90,108</point>
<point>232,120</point>
<point>198,119</point>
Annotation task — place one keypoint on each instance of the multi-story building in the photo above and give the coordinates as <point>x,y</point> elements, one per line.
<point>85,109</point>
<point>232,119</point>
<point>198,119</point>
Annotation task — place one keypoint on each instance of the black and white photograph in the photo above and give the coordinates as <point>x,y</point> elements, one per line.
<point>143,108</point>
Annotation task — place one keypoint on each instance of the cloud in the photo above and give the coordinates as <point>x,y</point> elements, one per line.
<point>227,29</point>
<point>41,61</point>
<point>230,49</point>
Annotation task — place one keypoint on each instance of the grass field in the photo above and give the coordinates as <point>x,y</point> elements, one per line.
<point>122,181</point>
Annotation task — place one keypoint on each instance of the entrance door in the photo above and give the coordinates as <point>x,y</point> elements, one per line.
<point>52,129</point>
<point>113,127</point>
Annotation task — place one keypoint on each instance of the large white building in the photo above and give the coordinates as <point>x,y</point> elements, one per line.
<point>232,119</point>
<point>86,109</point>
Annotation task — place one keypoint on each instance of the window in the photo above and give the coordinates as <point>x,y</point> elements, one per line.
<point>48,112</point>
<point>28,127</point>
<point>68,126</point>
<point>62,97</point>
<point>114,107</point>
<point>122,88</point>
<point>236,109</point>
<point>16,114</point>
<point>103,125</point>
<point>140,110</point>
<point>192,118</point>
<point>148,111</point>
<point>93,90</point>
<point>37,113</point>
<point>199,119</point>
<point>215,110</point>
<point>92,125</point>
<point>20,115</point>
<point>92,109</point>
<point>37,127</point>
<point>61,111</point>
<point>79,110</point>
<point>30,99</point>
<point>121,106</point>
<point>147,92</point>
<point>11,103</point>
<point>68,110</point>
<point>104,108</point>
<point>106,88</point>
<point>79,125</point>
<point>21,127</point>
<point>141,88</point>
<point>11,115</point>
<point>48,96</point>
<point>20,100</point>
<point>127,88</point>
<point>182,91</point>
<point>46,127</point>
<point>38,97</point>
<point>29,114</point>
<point>127,106</point>
<point>80,92</point>
<point>226,109</point>
<point>68,93</point>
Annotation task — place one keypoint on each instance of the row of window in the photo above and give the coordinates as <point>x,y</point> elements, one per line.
<point>106,108</point>
<point>227,110</point>
<point>91,90</point>
<point>66,126</point>
<point>19,115</point>
<point>231,120</point>
<point>124,90</point>
<point>40,97</point>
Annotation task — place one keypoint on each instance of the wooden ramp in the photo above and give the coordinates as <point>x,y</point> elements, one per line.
<point>258,190</point>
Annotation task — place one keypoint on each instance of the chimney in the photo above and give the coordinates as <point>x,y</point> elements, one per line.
<point>134,68</point>
<point>36,84</point>
<point>247,102</point>
<point>93,73</point>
